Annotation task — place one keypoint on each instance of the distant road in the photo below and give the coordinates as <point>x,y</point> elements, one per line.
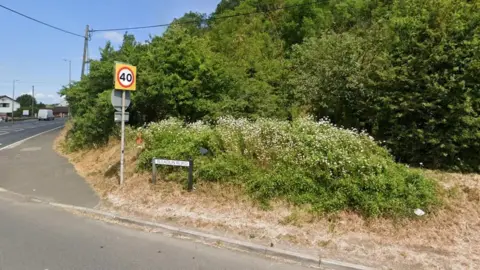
<point>17,131</point>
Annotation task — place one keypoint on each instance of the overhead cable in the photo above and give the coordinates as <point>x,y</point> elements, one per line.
<point>41,22</point>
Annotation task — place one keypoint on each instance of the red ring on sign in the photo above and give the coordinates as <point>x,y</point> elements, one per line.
<point>118,77</point>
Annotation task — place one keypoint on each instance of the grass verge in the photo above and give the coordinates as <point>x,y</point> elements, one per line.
<point>307,163</point>
<point>445,239</point>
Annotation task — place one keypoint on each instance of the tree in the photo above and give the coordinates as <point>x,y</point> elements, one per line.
<point>26,100</point>
<point>227,5</point>
<point>406,71</point>
<point>408,79</point>
<point>179,78</point>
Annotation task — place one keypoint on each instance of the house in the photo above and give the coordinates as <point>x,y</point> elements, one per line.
<point>6,104</point>
<point>60,111</point>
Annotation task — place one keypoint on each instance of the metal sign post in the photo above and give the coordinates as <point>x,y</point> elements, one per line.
<point>122,147</point>
<point>125,80</point>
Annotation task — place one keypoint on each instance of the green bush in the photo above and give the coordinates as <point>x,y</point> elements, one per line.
<point>94,126</point>
<point>303,161</point>
<point>410,78</point>
<point>404,70</point>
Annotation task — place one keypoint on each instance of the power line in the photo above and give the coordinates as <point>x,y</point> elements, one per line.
<point>203,20</point>
<point>40,22</point>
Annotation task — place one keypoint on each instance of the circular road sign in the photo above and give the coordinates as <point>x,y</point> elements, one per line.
<point>125,77</point>
<point>116,99</point>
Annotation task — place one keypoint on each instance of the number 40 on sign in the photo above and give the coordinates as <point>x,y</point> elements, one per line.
<point>125,77</point>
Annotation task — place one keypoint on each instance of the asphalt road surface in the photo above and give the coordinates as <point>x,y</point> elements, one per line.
<point>36,236</point>
<point>13,132</point>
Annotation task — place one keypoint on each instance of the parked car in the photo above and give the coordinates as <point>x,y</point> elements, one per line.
<point>45,114</point>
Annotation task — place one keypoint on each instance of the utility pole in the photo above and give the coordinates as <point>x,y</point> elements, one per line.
<point>33,101</point>
<point>85,49</point>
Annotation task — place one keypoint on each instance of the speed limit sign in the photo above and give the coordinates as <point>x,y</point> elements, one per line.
<point>125,77</point>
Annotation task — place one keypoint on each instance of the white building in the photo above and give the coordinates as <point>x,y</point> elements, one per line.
<point>6,104</point>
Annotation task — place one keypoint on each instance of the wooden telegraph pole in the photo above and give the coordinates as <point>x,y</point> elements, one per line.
<point>85,50</point>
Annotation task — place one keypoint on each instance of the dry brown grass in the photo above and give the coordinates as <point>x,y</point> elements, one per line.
<point>449,239</point>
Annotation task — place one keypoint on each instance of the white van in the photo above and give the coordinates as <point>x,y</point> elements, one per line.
<point>45,114</point>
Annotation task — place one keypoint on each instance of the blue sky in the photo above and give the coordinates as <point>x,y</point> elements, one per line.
<point>33,53</point>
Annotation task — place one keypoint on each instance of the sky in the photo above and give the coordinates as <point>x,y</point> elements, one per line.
<point>35,54</point>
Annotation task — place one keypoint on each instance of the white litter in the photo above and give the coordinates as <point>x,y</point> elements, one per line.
<point>419,212</point>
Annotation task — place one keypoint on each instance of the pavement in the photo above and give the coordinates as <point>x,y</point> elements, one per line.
<point>13,132</point>
<point>38,236</point>
<point>33,168</point>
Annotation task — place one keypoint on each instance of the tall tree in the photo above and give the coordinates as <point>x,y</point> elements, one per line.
<point>26,100</point>
<point>227,5</point>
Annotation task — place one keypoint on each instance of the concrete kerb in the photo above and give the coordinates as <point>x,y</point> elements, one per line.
<point>222,241</point>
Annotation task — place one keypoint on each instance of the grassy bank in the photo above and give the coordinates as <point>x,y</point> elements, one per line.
<point>304,162</point>
<point>444,239</point>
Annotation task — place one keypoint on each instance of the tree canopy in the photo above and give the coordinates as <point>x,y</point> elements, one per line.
<point>406,71</point>
<point>26,100</point>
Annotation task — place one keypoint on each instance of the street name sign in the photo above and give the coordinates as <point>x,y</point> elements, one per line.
<point>179,163</point>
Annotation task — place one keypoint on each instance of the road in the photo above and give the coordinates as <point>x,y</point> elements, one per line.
<point>13,132</point>
<point>38,236</point>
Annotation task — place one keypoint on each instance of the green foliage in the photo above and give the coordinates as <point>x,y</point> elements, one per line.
<point>94,127</point>
<point>408,79</point>
<point>303,161</point>
<point>406,71</point>
<point>26,104</point>
<point>226,5</point>
<point>26,100</point>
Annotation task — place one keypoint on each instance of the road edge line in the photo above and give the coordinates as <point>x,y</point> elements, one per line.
<point>15,144</point>
<point>226,242</point>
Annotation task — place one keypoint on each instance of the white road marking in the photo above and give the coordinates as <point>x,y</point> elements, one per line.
<point>15,144</point>
<point>31,149</point>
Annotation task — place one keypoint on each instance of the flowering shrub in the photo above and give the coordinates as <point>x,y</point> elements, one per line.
<point>303,161</point>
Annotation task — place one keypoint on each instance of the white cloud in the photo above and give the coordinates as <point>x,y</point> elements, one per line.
<point>114,37</point>
<point>47,98</point>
